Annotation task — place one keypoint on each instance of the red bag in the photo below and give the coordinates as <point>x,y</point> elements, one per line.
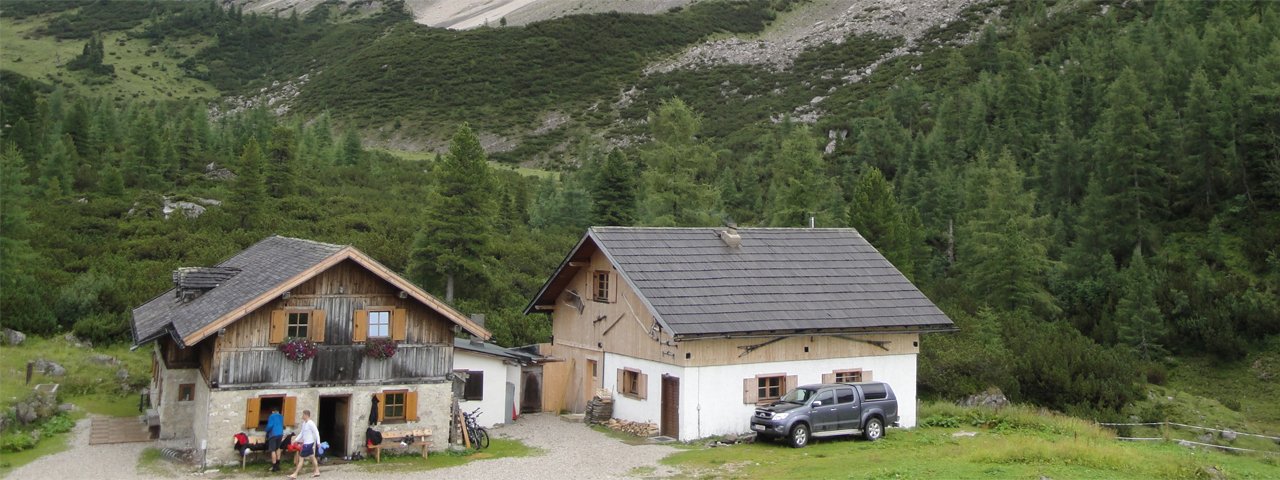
<point>293,447</point>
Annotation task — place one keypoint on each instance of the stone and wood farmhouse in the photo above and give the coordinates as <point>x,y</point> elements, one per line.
<point>218,369</point>
<point>691,328</point>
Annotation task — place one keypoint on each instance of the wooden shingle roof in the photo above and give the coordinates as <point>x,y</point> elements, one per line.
<point>252,278</point>
<point>778,280</point>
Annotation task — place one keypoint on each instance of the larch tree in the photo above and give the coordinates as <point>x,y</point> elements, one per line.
<point>801,187</point>
<point>678,184</point>
<point>280,162</point>
<point>461,212</point>
<point>1139,322</point>
<point>1002,245</point>
<point>248,190</point>
<point>893,228</point>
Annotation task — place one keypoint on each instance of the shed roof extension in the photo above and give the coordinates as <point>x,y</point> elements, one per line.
<point>776,281</point>
<point>252,278</point>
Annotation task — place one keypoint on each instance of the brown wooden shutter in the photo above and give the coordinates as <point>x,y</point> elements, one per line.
<point>829,377</point>
<point>866,375</point>
<point>382,405</point>
<point>613,287</point>
<point>411,406</point>
<point>399,324</point>
<point>252,406</point>
<point>793,381</point>
<point>750,390</point>
<point>642,385</point>
<point>622,385</point>
<point>360,326</point>
<point>289,411</point>
<point>278,326</point>
<point>316,326</point>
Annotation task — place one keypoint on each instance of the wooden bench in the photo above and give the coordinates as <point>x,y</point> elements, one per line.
<point>392,438</point>
<point>244,454</point>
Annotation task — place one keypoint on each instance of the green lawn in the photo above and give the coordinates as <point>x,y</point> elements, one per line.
<point>1021,443</point>
<point>47,446</point>
<point>142,71</point>
<point>92,386</point>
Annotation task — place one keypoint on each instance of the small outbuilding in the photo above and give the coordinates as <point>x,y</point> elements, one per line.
<point>494,379</point>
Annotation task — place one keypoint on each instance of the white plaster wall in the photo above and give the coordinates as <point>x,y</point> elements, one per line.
<point>516,378</point>
<point>226,409</point>
<point>495,380</point>
<point>647,410</point>
<point>713,395</point>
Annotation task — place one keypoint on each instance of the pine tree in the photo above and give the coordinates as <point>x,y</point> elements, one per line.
<point>461,212</point>
<point>801,187</point>
<point>21,286</point>
<point>1140,324</point>
<point>614,191</point>
<point>280,163</point>
<point>249,191</point>
<point>679,170</point>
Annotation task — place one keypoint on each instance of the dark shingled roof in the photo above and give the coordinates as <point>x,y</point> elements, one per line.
<point>780,280</point>
<point>261,267</point>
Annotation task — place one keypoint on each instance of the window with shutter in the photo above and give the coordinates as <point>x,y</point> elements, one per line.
<point>632,383</point>
<point>393,406</point>
<point>770,388</point>
<point>379,324</point>
<point>601,286</point>
<point>298,325</point>
<point>847,376</point>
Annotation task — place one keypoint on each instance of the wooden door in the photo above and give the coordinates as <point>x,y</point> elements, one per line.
<point>591,380</point>
<point>670,425</point>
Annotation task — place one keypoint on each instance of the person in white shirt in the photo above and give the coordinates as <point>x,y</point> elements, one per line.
<point>309,437</point>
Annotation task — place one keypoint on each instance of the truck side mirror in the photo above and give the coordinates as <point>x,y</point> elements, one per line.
<point>817,403</point>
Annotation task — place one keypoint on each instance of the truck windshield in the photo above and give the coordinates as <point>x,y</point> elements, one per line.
<point>799,395</point>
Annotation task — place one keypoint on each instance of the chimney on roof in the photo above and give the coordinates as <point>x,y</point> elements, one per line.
<point>730,235</point>
<point>478,319</point>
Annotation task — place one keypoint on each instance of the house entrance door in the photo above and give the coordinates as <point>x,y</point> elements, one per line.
<point>332,420</point>
<point>670,425</point>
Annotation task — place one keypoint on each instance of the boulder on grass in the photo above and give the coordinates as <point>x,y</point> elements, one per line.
<point>12,337</point>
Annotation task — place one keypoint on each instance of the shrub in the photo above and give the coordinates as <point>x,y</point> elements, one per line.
<point>380,348</point>
<point>17,442</point>
<point>60,423</point>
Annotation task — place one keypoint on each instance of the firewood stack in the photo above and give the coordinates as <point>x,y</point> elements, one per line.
<point>635,428</point>
<point>600,408</point>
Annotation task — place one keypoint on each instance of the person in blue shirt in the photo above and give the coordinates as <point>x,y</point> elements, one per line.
<point>275,432</point>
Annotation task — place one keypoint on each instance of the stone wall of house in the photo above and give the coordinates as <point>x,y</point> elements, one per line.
<point>225,414</point>
<point>176,416</point>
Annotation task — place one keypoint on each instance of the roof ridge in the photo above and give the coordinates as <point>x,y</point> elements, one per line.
<point>304,240</point>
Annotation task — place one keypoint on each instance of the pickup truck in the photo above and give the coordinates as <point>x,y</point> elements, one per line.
<point>828,410</point>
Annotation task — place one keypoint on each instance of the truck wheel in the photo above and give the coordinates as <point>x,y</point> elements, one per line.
<point>874,429</point>
<point>799,435</point>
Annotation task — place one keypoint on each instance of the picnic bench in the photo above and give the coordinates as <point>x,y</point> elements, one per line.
<point>392,438</point>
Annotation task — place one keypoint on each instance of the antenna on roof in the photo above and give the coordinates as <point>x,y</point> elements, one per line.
<point>812,221</point>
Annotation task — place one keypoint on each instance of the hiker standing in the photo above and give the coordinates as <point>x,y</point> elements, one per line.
<point>275,432</point>
<point>309,437</point>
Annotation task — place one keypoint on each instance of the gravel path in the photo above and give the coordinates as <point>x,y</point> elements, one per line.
<point>569,450</point>
<point>114,461</point>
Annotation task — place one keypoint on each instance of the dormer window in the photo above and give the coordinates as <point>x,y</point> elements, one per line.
<point>601,286</point>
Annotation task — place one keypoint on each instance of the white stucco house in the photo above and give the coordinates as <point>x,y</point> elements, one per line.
<point>691,328</point>
<point>494,379</point>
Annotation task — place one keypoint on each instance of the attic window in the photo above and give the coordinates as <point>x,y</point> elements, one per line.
<point>298,323</point>
<point>601,286</point>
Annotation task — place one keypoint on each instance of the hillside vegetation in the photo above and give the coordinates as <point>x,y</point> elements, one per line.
<point>1090,190</point>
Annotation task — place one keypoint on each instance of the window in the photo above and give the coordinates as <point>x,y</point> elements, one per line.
<point>474,389</point>
<point>770,388</point>
<point>258,410</point>
<point>874,391</point>
<point>844,395</point>
<point>186,392</point>
<point>848,376</point>
<point>827,398</point>
<point>602,287</point>
<point>393,409</point>
<point>632,383</point>
<point>379,324</point>
<point>297,326</point>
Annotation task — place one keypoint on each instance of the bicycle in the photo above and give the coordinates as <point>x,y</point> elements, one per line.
<point>479,435</point>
